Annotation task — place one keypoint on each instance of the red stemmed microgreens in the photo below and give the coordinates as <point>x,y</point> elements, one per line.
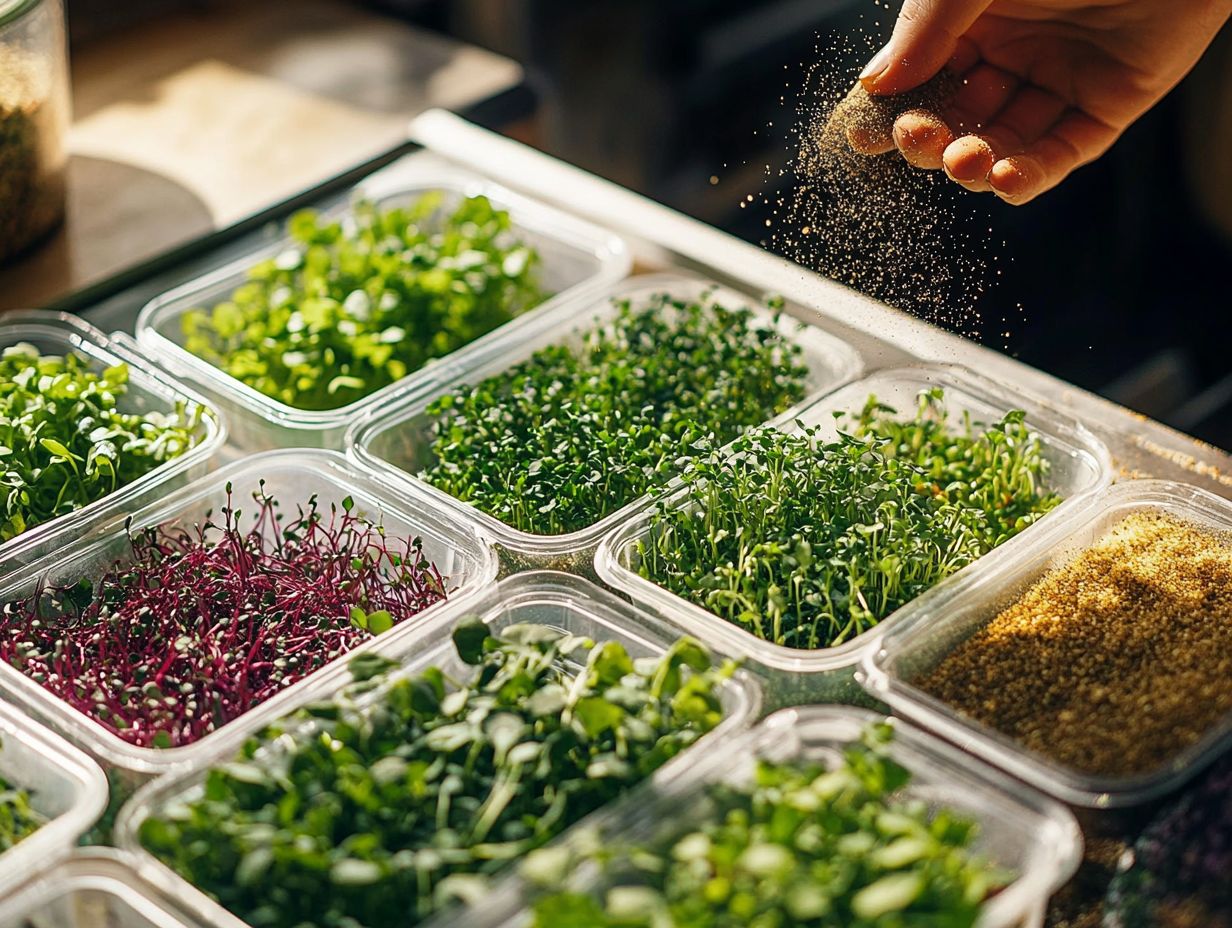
<point>197,627</point>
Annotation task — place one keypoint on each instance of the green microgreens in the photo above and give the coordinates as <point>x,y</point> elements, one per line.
<point>64,441</point>
<point>801,845</point>
<point>808,542</point>
<point>357,304</point>
<point>569,436</point>
<point>385,812</point>
<point>18,820</point>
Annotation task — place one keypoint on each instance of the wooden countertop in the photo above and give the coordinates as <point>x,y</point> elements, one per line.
<point>198,120</point>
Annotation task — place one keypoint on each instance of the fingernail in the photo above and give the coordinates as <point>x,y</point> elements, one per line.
<point>877,66</point>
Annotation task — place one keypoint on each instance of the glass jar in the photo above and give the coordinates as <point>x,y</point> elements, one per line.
<point>34,118</point>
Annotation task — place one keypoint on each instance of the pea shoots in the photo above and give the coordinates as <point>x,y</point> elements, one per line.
<point>801,844</point>
<point>383,812</point>
<point>196,627</point>
<point>355,304</point>
<point>808,541</point>
<point>65,440</point>
<point>571,435</point>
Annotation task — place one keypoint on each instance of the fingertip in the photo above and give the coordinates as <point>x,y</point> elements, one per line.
<point>969,160</point>
<point>1014,180</point>
<point>922,137</point>
<point>870,140</point>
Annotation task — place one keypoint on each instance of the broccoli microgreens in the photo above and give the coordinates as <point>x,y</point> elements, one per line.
<point>570,435</point>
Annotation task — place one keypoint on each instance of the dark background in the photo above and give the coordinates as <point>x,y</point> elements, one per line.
<point>1121,274</point>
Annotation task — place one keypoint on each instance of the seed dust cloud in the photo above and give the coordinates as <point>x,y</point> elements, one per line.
<point>909,237</point>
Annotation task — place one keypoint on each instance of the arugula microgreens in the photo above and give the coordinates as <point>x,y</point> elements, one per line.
<point>66,443</point>
<point>356,304</point>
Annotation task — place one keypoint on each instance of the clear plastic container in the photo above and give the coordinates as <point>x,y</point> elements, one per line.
<point>462,555</point>
<point>34,120</point>
<point>1028,834</point>
<point>94,888</point>
<point>933,629</point>
<point>1080,465</point>
<point>549,598</point>
<point>149,390</point>
<point>576,258</point>
<point>398,440</point>
<point>65,786</point>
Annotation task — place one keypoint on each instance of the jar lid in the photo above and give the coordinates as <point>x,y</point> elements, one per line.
<point>13,9</point>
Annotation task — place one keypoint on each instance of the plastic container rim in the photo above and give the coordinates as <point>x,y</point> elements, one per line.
<point>1051,426</point>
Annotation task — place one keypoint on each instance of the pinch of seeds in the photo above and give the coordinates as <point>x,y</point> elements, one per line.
<point>1113,663</point>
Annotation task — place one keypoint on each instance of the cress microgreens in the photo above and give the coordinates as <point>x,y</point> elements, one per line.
<point>64,441</point>
<point>195,628</point>
<point>383,812</point>
<point>570,435</point>
<point>800,845</point>
<point>18,820</point>
<point>806,541</point>
<point>356,304</point>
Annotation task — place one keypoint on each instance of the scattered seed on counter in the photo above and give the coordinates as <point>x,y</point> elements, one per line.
<point>1113,663</point>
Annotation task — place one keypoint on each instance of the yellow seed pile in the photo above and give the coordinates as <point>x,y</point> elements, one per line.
<point>1113,663</point>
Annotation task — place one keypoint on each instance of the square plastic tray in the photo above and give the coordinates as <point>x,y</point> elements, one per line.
<point>931,630</point>
<point>1079,465</point>
<point>398,440</point>
<point>462,555</point>
<point>1022,831</point>
<point>149,390</point>
<point>576,257</point>
<point>549,598</point>
<point>94,888</point>
<point>65,786</point>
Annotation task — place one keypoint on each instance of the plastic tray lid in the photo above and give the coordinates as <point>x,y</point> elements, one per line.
<point>150,390</point>
<point>934,627</point>
<point>94,887</point>
<point>577,257</point>
<point>462,554</point>
<point>1079,462</point>
<point>1025,832</point>
<point>396,440</point>
<point>65,787</point>
<point>559,600</point>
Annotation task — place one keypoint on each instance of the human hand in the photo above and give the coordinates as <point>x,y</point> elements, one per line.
<point>1044,86</point>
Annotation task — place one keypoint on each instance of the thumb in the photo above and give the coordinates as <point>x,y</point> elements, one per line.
<point>925,37</point>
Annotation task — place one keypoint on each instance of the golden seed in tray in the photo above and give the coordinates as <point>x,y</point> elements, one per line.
<point>1114,662</point>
